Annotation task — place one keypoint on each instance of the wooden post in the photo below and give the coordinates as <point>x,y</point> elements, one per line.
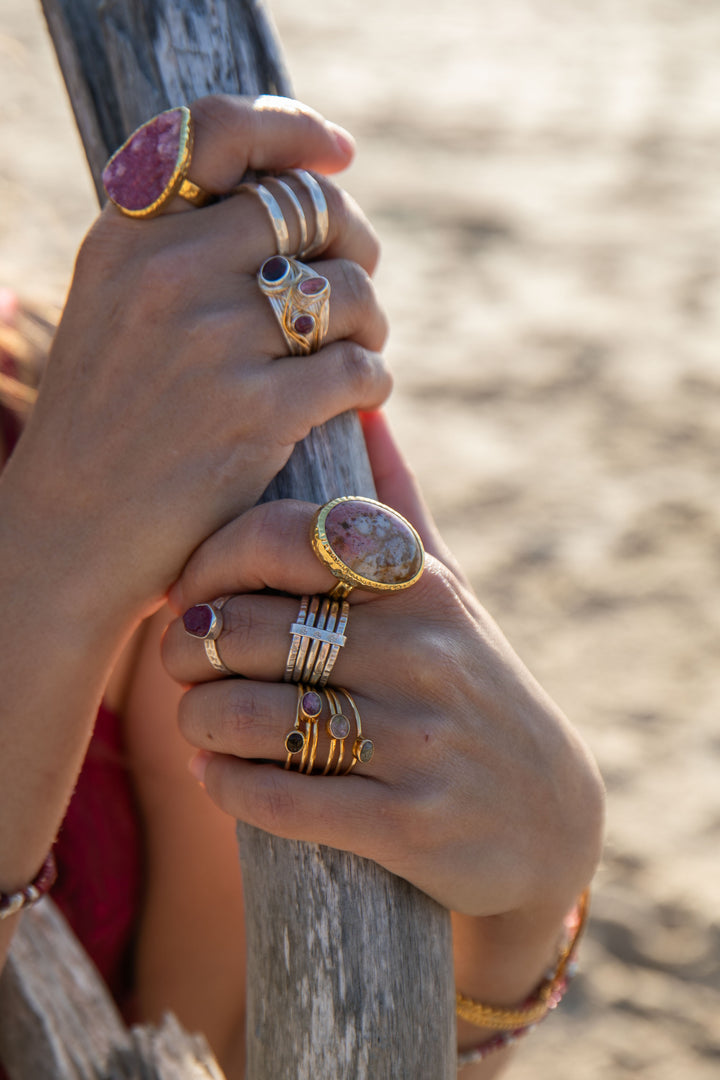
<point>349,970</point>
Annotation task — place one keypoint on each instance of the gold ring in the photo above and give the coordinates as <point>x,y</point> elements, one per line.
<point>363,749</point>
<point>152,165</point>
<point>338,728</point>
<point>366,545</point>
<point>308,709</point>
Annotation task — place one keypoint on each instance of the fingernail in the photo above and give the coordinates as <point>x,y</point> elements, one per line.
<point>197,620</point>
<point>343,138</point>
<point>197,765</point>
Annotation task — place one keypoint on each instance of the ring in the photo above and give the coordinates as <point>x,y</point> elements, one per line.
<point>322,218</point>
<point>298,208</point>
<point>308,709</point>
<point>152,165</point>
<point>277,219</point>
<point>300,299</point>
<point>317,637</point>
<point>366,545</point>
<point>363,749</point>
<point>205,621</point>
<point>338,728</point>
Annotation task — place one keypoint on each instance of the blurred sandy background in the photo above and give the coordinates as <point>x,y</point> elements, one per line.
<point>544,176</point>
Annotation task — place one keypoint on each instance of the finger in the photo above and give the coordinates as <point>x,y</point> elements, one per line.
<point>306,392</point>
<point>256,639</point>
<point>266,548</point>
<point>340,812</point>
<point>235,134</point>
<point>269,547</point>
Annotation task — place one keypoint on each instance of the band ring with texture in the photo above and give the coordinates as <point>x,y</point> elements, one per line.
<point>317,635</point>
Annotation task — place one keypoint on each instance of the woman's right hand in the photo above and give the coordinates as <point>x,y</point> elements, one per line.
<point>169,402</point>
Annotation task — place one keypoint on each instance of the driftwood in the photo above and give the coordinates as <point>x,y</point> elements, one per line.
<point>58,1022</point>
<point>349,971</point>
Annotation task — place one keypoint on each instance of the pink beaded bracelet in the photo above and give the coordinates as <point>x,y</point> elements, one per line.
<point>11,903</point>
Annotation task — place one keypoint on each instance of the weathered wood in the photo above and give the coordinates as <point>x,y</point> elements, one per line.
<point>58,1022</point>
<point>350,969</point>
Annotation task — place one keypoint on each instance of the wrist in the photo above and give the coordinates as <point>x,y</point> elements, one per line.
<point>517,965</point>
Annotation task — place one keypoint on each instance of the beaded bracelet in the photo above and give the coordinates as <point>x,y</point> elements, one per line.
<point>546,997</point>
<point>11,903</point>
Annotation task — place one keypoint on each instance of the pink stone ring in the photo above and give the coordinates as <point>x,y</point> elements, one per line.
<point>152,166</point>
<point>366,545</point>
<point>300,299</point>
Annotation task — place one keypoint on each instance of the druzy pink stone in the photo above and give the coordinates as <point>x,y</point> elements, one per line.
<point>373,542</point>
<point>139,172</point>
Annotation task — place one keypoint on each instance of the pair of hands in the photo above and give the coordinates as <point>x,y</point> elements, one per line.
<point>169,402</point>
<point>480,793</point>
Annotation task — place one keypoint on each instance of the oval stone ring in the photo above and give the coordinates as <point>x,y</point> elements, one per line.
<point>366,545</point>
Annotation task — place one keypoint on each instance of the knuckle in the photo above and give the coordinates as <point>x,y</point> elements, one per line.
<point>223,114</point>
<point>356,283</point>
<point>359,369</point>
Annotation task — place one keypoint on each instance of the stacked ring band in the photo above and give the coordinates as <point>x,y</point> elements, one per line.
<point>366,545</point>
<point>305,742</point>
<point>317,636</point>
<point>299,212</point>
<point>322,218</point>
<point>300,299</point>
<point>152,165</point>
<point>277,219</point>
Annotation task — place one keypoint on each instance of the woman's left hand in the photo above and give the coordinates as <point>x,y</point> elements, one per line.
<point>480,792</point>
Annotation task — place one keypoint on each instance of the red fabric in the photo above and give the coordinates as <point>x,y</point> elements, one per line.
<point>99,857</point>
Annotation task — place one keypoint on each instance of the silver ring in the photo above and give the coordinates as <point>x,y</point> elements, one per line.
<point>317,637</point>
<point>298,208</point>
<point>322,219</point>
<point>210,643</point>
<point>275,213</point>
<point>300,299</point>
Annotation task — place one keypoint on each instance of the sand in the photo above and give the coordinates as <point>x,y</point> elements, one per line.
<point>543,176</point>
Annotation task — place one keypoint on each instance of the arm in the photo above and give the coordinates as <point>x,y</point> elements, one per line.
<point>167,406</point>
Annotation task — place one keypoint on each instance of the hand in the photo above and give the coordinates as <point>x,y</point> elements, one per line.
<point>480,793</point>
<point>169,401</point>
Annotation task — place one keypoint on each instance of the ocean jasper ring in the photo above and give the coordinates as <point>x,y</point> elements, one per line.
<point>152,166</point>
<point>366,545</point>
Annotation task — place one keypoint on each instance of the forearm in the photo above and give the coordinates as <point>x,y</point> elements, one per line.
<point>59,636</point>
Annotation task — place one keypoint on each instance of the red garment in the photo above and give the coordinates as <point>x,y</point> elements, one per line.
<point>99,857</point>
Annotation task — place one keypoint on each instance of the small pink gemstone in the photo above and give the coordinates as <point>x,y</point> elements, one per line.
<point>338,726</point>
<point>274,269</point>
<point>198,620</point>
<point>313,285</point>
<point>304,324</point>
<point>312,704</point>
<point>139,172</point>
<point>373,541</point>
